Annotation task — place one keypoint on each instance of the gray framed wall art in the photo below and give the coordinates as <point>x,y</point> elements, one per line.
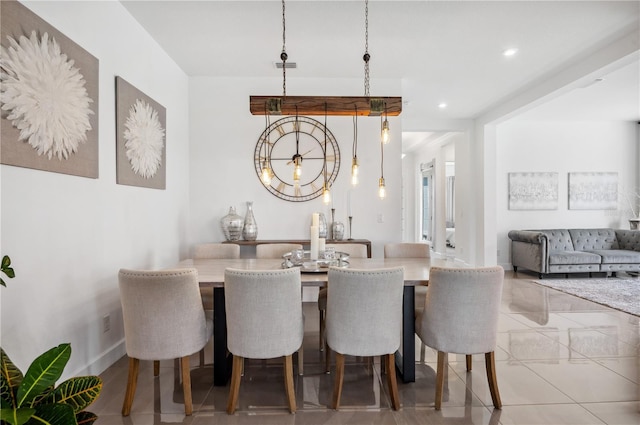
<point>49,96</point>
<point>593,191</point>
<point>533,191</point>
<point>140,138</point>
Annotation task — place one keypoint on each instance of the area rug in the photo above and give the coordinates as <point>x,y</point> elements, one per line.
<point>620,293</point>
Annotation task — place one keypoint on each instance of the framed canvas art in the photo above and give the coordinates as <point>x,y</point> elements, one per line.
<point>593,191</point>
<point>140,138</point>
<point>533,191</point>
<point>49,97</point>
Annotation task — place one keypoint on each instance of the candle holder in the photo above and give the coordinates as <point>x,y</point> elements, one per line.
<point>350,220</point>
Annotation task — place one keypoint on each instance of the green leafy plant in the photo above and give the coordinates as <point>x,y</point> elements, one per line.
<point>6,268</point>
<point>33,398</point>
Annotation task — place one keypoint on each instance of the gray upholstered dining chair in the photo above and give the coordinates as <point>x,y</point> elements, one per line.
<point>218,251</point>
<point>163,319</point>
<point>412,250</point>
<point>355,250</point>
<point>264,321</point>
<point>461,316</point>
<point>275,250</point>
<point>364,318</point>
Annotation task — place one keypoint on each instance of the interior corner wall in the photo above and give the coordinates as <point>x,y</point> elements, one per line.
<point>563,147</point>
<point>68,236</point>
<point>223,140</point>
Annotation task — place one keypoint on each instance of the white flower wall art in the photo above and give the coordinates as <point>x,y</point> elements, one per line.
<point>48,97</point>
<point>144,139</point>
<point>44,95</point>
<point>140,138</point>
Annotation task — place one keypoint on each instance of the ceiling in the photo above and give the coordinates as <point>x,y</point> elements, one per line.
<point>440,51</point>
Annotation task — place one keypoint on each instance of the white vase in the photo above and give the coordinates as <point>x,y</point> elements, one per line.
<point>232,225</point>
<point>250,229</point>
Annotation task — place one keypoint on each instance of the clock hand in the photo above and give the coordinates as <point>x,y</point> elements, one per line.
<point>291,162</point>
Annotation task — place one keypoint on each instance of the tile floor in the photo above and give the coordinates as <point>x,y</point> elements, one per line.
<point>560,360</point>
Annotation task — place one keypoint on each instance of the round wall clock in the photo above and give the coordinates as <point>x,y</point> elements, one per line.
<point>280,145</point>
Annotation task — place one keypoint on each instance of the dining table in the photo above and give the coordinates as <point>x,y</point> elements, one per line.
<point>211,275</point>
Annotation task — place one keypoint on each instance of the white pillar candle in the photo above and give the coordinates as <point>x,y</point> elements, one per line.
<point>313,242</point>
<point>315,219</point>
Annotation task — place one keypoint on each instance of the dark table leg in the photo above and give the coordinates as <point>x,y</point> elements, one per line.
<point>406,362</point>
<point>221,361</point>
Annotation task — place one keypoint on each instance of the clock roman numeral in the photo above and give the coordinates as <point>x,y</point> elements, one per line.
<point>297,191</point>
<point>280,130</point>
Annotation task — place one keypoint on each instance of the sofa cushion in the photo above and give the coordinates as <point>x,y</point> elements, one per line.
<point>628,239</point>
<point>593,239</point>
<point>617,256</point>
<point>573,257</point>
<point>558,240</point>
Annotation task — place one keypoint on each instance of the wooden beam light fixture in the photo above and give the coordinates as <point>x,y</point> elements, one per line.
<point>335,105</point>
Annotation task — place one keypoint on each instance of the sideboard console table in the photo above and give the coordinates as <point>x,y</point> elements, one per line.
<point>304,242</point>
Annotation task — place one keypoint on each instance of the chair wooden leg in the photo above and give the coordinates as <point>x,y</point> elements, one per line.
<point>301,361</point>
<point>234,388</point>
<point>423,352</point>
<point>327,357</point>
<point>321,327</point>
<point>186,385</point>
<point>156,368</point>
<point>202,357</point>
<point>288,383</point>
<point>490,361</point>
<point>391,381</point>
<point>337,383</point>
<point>469,363</point>
<point>440,379</point>
<point>132,381</point>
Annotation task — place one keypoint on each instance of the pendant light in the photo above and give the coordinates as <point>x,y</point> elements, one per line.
<point>382,190</point>
<point>326,190</point>
<point>354,159</point>
<point>385,135</point>
<point>267,173</point>
<point>297,158</point>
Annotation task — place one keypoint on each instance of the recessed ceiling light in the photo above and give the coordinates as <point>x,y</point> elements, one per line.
<point>442,105</point>
<point>510,52</point>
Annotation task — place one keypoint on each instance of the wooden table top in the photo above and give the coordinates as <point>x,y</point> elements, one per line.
<point>416,270</point>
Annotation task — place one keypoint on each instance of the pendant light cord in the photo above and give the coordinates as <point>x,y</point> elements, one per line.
<point>325,146</point>
<point>354,146</point>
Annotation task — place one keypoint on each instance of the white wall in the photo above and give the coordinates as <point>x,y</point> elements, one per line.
<point>223,138</point>
<point>68,236</point>
<point>562,147</point>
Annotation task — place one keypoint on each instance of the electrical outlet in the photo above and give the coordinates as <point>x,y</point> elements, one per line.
<point>380,218</point>
<point>106,323</point>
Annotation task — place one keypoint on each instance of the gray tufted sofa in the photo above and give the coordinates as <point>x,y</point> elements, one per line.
<point>575,250</point>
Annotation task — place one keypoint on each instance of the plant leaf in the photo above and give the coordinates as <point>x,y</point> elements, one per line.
<point>10,379</point>
<point>53,414</point>
<point>6,262</point>
<point>86,418</point>
<point>78,392</point>
<point>43,373</point>
<point>16,416</point>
